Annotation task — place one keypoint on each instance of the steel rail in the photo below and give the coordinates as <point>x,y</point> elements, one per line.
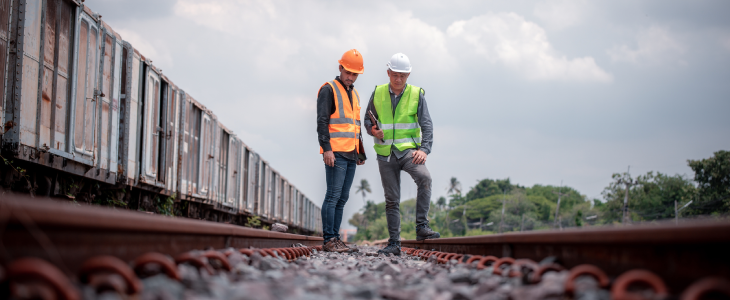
<point>67,234</point>
<point>678,253</point>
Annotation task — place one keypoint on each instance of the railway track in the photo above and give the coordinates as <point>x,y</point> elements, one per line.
<point>56,250</point>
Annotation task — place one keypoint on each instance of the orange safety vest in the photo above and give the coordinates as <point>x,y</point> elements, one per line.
<point>345,121</point>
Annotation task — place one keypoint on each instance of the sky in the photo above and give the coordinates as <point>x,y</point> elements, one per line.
<point>541,92</point>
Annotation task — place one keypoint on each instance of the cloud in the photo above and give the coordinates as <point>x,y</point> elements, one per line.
<point>283,34</point>
<point>508,39</point>
<point>726,43</point>
<point>653,45</point>
<point>160,56</point>
<point>561,14</point>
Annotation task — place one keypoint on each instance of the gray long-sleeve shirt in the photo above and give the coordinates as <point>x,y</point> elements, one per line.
<point>424,121</point>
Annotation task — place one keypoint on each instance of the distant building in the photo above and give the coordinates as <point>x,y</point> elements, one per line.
<point>348,234</point>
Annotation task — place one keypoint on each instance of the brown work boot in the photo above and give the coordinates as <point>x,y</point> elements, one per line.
<point>333,246</point>
<point>349,249</point>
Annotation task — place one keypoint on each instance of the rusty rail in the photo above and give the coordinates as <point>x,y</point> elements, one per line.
<point>85,240</point>
<point>67,234</point>
<point>678,253</point>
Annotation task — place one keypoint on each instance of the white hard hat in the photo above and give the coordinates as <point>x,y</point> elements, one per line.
<point>400,63</point>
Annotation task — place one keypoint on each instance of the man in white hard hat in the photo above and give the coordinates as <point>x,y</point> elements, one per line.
<point>403,135</point>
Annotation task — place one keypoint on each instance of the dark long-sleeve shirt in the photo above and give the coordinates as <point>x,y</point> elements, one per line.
<point>424,121</point>
<point>325,108</point>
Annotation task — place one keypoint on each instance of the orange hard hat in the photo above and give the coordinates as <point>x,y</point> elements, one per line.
<point>352,61</point>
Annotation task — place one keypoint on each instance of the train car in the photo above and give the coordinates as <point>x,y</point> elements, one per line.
<point>310,220</point>
<point>274,196</point>
<point>233,183</point>
<point>130,107</point>
<point>290,204</point>
<point>265,195</point>
<point>88,117</point>
<point>225,160</point>
<point>298,210</point>
<point>241,177</point>
<point>151,119</point>
<point>252,178</point>
<point>61,95</point>
<point>160,103</point>
<point>285,204</point>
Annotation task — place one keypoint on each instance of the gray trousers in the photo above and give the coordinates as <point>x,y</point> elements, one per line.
<point>390,176</point>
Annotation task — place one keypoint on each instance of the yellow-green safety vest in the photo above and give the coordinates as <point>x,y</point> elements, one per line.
<point>400,129</point>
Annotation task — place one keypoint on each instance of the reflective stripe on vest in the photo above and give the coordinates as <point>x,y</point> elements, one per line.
<point>344,125</point>
<point>400,129</point>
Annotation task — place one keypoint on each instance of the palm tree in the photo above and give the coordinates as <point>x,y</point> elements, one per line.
<point>441,202</point>
<point>364,188</point>
<point>454,186</point>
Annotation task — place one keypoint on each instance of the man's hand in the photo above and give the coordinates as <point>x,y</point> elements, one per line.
<point>377,132</point>
<point>329,158</point>
<point>419,157</point>
<point>360,162</point>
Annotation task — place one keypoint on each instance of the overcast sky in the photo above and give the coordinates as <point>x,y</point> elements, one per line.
<point>537,91</point>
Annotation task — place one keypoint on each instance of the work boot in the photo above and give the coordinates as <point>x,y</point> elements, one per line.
<point>392,248</point>
<point>333,246</point>
<point>424,232</point>
<point>349,249</point>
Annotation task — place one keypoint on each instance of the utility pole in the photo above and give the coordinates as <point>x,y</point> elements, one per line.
<point>628,182</point>
<point>501,221</point>
<point>561,223</point>
<point>676,213</point>
<point>560,195</point>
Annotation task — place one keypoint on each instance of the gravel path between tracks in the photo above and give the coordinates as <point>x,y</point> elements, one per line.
<point>358,275</point>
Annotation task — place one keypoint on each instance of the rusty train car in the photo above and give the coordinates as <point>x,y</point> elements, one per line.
<point>89,118</point>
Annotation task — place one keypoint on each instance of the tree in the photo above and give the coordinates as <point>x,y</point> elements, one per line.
<point>454,192</point>
<point>488,187</point>
<point>567,202</point>
<point>363,188</point>
<point>713,183</point>
<point>441,202</point>
<point>652,198</point>
<point>454,186</point>
<point>579,219</point>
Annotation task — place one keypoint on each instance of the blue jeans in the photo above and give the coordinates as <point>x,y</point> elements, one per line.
<point>339,181</point>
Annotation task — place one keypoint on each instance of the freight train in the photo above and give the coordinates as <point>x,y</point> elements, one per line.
<point>89,118</point>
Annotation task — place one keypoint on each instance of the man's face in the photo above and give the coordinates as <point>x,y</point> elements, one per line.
<point>398,80</point>
<point>347,77</point>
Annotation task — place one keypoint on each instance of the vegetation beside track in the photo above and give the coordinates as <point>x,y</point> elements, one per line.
<point>479,211</point>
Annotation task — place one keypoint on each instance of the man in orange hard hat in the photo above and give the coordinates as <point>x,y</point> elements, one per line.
<point>338,129</point>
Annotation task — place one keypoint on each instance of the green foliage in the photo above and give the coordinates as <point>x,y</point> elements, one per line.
<point>579,219</point>
<point>713,184</point>
<point>109,198</point>
<point>456,199</point>
<point>488,187</point>
<point>441,202</point>
<point>371,223</point>
<point>253,222</point>
<point>22,172</point>
<point>652,198</point>
<point>550,193</point>
<point>165,206</point>
<point>479,211</point>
